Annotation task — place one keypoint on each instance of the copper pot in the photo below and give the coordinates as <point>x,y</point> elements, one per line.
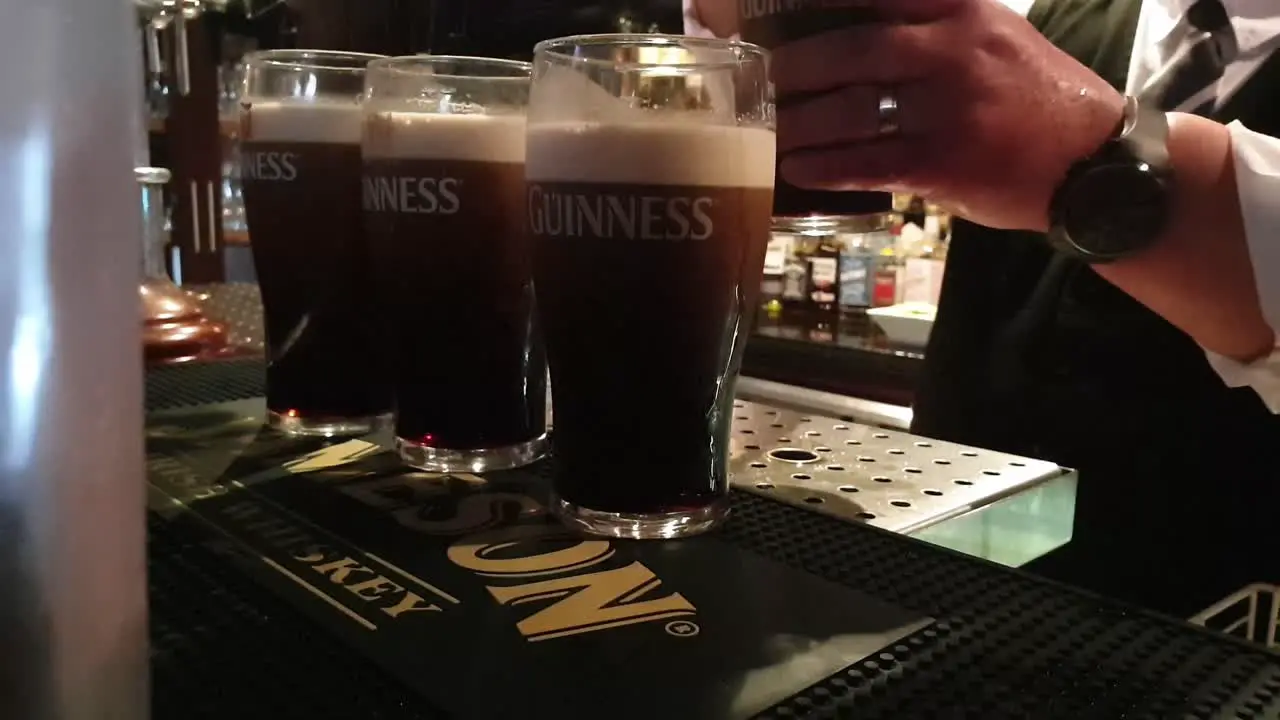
<point>174,326</point>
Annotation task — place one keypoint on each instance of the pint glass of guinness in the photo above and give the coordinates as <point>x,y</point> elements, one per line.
<point>300,168</point>
<point>771,23</point>
<point>444,212</point>
<point>650,180</point>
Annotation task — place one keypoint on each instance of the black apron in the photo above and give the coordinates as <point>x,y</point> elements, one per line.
<point>1034,354</point>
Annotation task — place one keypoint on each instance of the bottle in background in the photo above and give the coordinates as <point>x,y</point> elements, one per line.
<point>795,274</point>
<point>925,263</point>
<point>773,280</point>
<point>858,259</point>
<point>885,281</point>
<point>857,265</point>
<point>824,283</point>
<point>915,210</point>
<point>822,273</point>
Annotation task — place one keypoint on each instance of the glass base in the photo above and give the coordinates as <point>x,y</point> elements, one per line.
<point>642,526</point>
<point>444,460</point>
<point>322,426</point>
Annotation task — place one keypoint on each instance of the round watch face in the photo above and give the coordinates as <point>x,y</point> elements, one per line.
<point>1113,210</point>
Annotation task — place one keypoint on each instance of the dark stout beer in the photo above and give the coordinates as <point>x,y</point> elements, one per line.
<point>649,241</point>
<point>444,215</point>
<point>301,175</point>
<point>770,23</point>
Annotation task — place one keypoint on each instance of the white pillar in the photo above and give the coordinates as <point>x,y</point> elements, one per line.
<point>73,641</point>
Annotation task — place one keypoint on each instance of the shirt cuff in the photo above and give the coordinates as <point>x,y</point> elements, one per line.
<point>1257,167</point>
<point>1263,376</point>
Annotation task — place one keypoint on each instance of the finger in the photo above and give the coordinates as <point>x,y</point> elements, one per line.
<point>873,54</point>
<point>852,114</point>
<point>892,164</point>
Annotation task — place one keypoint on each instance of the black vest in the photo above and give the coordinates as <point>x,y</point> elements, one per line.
<point>1035,354</point>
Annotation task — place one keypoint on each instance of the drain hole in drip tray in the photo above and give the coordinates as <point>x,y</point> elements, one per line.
<point>794,455</point>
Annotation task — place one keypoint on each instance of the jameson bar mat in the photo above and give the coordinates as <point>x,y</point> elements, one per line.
<point>466,590</point>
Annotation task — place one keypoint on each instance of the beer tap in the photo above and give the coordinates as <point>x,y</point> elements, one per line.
<point>181,50</point>
<point>181,38</point>
<point>157,89</point>
<point>159,16</point>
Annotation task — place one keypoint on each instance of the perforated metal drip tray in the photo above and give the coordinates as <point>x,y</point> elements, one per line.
<point>239,305</point>
<point>892,480</point>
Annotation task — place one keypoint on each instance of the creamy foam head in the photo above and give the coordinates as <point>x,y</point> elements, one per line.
<point>653,153</point>
<point>441,136</point>
<point>318,121</point>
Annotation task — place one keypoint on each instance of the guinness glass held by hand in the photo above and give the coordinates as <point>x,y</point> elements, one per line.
<point>771,23</point>
<point>300,137</point>
<point>444,189</point>
<point>650,168</point>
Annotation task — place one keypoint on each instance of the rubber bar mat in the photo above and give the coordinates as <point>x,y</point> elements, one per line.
<point>1005,646</point>
<point>222,647</point>
<point>1018,647</point>
<point>176,386</point>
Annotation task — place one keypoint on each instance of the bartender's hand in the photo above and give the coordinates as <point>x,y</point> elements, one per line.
<point>990,114</point>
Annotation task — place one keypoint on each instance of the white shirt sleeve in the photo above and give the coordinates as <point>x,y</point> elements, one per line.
<point>1257,165</point>
<point>1022,7</point>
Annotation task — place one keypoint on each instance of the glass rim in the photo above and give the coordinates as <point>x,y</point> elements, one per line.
<point>305,59</point>
<point>392,63</point>
<point>553,46</point>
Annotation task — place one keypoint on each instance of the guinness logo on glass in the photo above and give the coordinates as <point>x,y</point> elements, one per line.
<point>269,165</point>
<point>643,214</point>
<point>422,195</point>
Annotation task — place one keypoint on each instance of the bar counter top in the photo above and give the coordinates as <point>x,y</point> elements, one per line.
<point>853,358</point>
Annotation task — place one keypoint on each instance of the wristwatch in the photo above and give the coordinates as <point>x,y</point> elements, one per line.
<point>1115,202</point>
